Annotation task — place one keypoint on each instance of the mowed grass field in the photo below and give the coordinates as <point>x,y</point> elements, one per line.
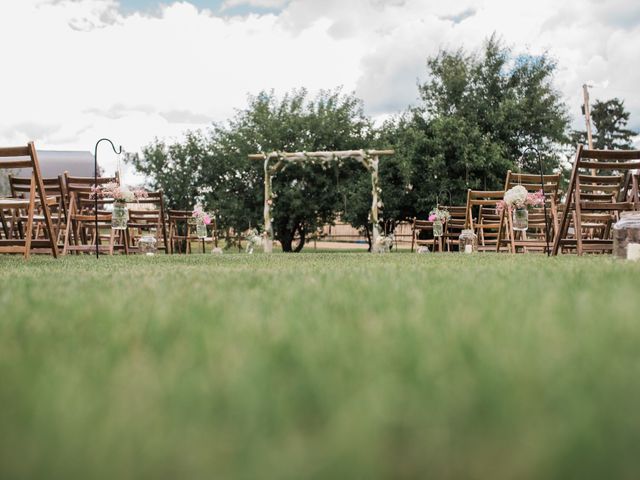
<point>320,366</point>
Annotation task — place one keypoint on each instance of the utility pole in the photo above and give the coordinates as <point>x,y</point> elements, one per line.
<point>586,110</point>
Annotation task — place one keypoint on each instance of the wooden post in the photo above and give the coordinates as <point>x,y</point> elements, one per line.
<point>375,199</point>
<point>268,201</point>
<point>587,114</point>
<point>587,119</point>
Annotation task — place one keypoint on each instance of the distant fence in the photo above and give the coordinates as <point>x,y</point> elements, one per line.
<point>345,233</point>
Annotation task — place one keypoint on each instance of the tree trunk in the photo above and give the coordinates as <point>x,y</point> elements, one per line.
<point>366,229</point>
<point>288,237</point>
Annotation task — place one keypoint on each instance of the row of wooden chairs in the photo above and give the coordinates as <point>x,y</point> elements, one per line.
<point>58,215</point>
<point>603,183</point>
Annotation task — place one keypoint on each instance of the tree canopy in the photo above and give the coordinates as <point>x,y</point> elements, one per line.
<point>610,120</point>
<point>477,113</point>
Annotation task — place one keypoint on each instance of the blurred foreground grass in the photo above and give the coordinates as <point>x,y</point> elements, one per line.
<point>319,366</point>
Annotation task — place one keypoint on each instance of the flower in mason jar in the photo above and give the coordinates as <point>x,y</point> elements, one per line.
<point>518,197</point>
<point>439,214</point>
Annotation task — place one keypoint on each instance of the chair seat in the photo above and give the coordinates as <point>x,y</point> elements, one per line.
<point>12,202</point>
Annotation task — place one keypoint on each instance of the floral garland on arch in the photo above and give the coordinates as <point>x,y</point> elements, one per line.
<point>383,243</point>
<point>254,240</point>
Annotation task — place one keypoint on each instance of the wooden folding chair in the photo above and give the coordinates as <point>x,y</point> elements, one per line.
<point>454,226</point>
<point>488,223</point>
<point>534,239</point>
<point>149,217</point>
<point>80,232</point>
<point>182,230</point>
<point>54,187</point>
<point>420,226</point>
<point>594,201</point>
<point>26,157</point>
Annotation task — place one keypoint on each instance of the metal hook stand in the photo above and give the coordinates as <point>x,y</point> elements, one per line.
<point>544,203</point>
<point>95,184</point>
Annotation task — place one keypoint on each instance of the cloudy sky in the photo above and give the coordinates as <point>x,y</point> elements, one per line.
<point>77,70</point>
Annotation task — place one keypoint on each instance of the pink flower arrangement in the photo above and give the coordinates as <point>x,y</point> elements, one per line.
<point>201,216</point>
<point>439,214</point>
<point>118,193</point>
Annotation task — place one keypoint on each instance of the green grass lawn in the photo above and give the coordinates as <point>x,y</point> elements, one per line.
<point>326,365</point>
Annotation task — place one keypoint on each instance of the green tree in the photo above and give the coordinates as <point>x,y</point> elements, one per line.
<point>610,120</point>
<point>477,113</point>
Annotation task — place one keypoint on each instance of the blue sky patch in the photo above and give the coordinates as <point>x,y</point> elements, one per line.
<point>151,6</point>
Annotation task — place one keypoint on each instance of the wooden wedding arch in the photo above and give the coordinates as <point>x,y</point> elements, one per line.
<point>276,161</point>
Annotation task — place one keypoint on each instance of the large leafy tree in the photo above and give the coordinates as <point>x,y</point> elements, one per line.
<point>610,120</point>
<point>477,113</point>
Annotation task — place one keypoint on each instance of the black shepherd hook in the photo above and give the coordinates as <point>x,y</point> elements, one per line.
<point>544,203</point>
<point>95,184</point>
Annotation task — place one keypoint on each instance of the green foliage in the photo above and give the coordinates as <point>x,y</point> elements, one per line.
<point>319,366</point>
<point>478,113</point>
<point>610,120</point>
<point>177,169</point>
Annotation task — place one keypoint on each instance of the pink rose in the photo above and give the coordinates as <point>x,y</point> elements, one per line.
<point>432,218</point>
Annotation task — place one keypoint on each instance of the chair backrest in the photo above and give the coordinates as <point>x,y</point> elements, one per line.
<point>478,199</point>
<point>483,217</point>
<point>20,186</point>
<point>534,183</point>
<point>26,157</point>
<point>597,186</point>
<point>54,187</point>
<point>81,188</point>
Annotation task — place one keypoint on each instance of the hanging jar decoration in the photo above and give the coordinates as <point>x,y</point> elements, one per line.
<point>520,218</point>
<point>437,228</point>
<point>119,216</point>
<point>626,237</point>
<point>468,241</point>
<point>438,216</point>
<point>147,245</point>
<point>202,219</point>
<point>201,228</point>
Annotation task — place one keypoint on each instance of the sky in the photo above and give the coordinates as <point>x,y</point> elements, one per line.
<point>133,70</point>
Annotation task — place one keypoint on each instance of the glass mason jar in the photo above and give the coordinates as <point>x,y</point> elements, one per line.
<point>119,216</point>
<point>437,228</point>
<point>520,219</point>
<point>147,245</point>
<point>201,229</point>
<point>468,242</point>
<point>626,236</point>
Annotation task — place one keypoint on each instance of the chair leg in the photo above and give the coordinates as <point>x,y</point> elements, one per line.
<point>30,212</point>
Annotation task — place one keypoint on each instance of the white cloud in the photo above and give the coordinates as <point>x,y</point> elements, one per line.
<point>81,69</point>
